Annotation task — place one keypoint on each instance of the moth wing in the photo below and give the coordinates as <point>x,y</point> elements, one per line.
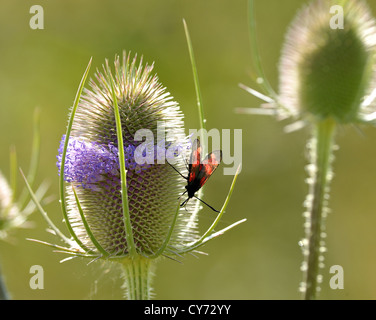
<point>210,163</point>
<point>194,162</point>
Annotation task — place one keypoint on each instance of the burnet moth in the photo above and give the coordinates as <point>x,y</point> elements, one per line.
<point>199,172</point>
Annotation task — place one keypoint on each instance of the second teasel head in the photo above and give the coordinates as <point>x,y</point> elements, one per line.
<point>327,66</point>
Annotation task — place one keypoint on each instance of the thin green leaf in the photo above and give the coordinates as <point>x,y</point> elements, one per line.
<point>44,214</point>
<point>39,194</point>
<point>214,235</point>
<point>35,148</point>
<point>195,78</point>
<point>55,246</point>
<point>255,52</point>
<point>257,94</point>
<point>131,247</point>
<point>87,227</point>
<point>72,252</point>
<point>200,105</point>
<point>62,165</point>
<point>34,157</point>
<point>214,224</point>
<point>169,234</point>
<point>13,171</point>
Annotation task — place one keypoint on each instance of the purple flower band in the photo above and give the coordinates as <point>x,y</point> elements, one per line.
<point>86,162</point>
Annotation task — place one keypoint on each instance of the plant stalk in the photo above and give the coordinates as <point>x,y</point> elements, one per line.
<point>138,274</point>
<point>321,156</point>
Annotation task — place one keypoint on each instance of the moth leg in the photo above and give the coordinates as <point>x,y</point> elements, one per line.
<point>207,204</point>
<point>183,194</point>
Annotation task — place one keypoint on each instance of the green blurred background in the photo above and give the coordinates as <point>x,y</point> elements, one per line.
<point>260,259</point>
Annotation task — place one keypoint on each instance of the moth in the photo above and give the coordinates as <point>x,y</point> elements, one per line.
<point>199,172</point>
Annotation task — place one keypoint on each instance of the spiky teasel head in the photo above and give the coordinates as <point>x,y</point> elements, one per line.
<point>115,205</point>
<point>328,61</point>
<point>92,164</point>
<point>327,78</point>
<point>327,67</point>
<point>122,200</point>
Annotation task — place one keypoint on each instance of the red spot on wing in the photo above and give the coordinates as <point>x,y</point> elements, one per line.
<point>200,172</point>
<point>192,176</point>
<point>196,153</point>
<point>194,163</point>
<point>209,165</point>
<point>203,180</point>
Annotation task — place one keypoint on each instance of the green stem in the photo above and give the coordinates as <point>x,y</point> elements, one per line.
<point>321,153</point>
<point>138,274</point>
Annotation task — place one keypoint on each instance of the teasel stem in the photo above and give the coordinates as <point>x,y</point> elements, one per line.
<point>138,274</point>
<point>321,155</point>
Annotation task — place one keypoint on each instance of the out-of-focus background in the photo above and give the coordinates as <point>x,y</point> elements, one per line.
<point>261,258</point>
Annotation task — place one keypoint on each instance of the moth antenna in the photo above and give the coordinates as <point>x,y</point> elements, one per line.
<point>186,163</point>
<point>186,178</point>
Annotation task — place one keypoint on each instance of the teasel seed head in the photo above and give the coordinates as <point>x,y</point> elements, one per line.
<point>92,163</point>
<point>327,67</point>
<point>327,78</point>
<point>115,206</point>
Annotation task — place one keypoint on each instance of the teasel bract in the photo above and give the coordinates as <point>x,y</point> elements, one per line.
<point>116,208</point>
<point>92,164</point>
<point>327,78</point>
